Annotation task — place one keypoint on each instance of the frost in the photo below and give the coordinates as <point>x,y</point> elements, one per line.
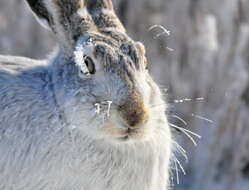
<point>107,104</point>
<point>109,108</point>
<point>80,59</point>
<point>97,108</point>
<point>165,31</point>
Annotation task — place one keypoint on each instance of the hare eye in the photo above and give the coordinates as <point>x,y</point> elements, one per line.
<point>90,65</point>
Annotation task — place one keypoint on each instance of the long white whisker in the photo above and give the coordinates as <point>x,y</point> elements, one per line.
<point>188,100</point>
<point>177,174</point>
<point>202,118</point>
<point>180,119</point>
<point>191,138</point>
<point>181,150</point>
<point>176,164</point>
<point>157,105</point>
<point>180,165</point>
<point>172,181</point>
<point>187,133</point>
<point>186,130</point>
<point>179,101</point>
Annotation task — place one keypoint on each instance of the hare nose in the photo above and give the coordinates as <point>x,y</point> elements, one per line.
<point>134,112</point>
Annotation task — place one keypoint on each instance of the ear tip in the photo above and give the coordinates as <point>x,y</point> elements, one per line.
<point>33,3</point>
<point>39,9</point>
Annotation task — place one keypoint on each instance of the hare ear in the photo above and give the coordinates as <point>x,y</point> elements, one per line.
<point>39,9</point>
<point>67,18</point>
<point>103,15</point>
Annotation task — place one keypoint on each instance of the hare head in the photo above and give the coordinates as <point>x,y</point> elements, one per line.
<point>100,75</point>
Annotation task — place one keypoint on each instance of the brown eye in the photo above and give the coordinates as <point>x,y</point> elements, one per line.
<point>90,65</point>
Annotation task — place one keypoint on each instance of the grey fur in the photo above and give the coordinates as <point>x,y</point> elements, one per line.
<point>52,136</point>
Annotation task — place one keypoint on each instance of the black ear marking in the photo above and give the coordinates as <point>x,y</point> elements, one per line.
<point>38,7</point>
<point>95,5</point>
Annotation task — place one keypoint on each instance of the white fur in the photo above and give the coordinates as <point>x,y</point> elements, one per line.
<point>44,146</point>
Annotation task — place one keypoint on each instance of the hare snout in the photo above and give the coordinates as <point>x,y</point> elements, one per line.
<point>128,121</point>
<point>134,113</point>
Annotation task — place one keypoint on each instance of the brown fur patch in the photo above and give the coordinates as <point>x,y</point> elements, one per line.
<point>134,111</point>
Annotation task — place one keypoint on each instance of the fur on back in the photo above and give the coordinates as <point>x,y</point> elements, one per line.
<point>57,130</point>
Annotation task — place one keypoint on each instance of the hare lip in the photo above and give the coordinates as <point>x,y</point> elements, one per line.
<point>128,134</point>
<point>124,138</point>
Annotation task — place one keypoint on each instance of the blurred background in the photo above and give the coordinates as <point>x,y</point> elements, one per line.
<point>199,54</point>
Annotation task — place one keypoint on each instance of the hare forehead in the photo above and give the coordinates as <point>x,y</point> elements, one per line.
<point>111,39</point>
<point>103,49</point>
<point>126,54</point>
<point>110,48</point>
<point>117,49</point>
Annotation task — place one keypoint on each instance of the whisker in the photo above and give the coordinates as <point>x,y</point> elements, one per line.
<point>181,150</point>
<point>187,133</point>
<point>177,174</point>
<point>188,100</point>
<point>186,130</point>
<point>180,119</point>
<point>158,105</point>
<point>181,167</point>
<point>202,118</point>
<point>172,181</point>
<point>176,164</point>
<point>178,101</point>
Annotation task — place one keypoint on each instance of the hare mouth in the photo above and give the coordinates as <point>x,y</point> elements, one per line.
<point>124,138</point>
<point>131,134</point>
<point>124,133</point>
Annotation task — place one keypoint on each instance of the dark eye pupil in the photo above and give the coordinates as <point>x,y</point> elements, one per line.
<point>90,65</point>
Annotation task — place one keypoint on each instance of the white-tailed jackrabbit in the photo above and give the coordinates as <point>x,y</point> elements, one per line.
<point>89,119</point>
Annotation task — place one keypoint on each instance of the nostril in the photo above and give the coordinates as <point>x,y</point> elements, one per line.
<point>134,118</point>
<point>133,114</point>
